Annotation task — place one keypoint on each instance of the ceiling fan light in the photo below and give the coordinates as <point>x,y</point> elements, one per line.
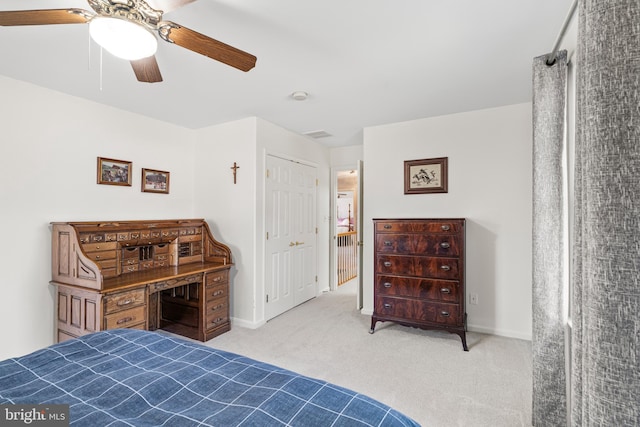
<point>124,39</point>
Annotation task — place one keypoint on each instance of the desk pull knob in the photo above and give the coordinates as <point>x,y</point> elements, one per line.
<point>387,285</point>
<point>387,306</point>
<point>387,226</point>
<point>387,263</point>
<point>444,313</point>
<point>445,290</point>
<point>125,302</point>
<point>387,243</point>
<point>445,268</point>
<point>445,245</point>
<point>445,227</point>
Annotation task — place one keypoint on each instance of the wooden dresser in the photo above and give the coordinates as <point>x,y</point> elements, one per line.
<point>165,274</point>
<point>419,274</point>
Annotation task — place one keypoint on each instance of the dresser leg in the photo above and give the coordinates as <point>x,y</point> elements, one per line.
<point>373,325</point>
<point>463,338</point>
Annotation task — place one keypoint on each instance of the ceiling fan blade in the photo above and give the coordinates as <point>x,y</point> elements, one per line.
<point>44,17</point>
<point>147,70</point>
<point>209,47</point>
<point>168,5</point>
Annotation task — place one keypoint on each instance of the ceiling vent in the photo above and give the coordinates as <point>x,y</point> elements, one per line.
<point>317,134</point>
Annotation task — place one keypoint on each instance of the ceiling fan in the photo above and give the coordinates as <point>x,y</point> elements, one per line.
<point>115,24</point>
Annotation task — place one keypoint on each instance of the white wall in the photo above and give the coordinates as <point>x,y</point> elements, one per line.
<point>490,172</point>
<point>236,212</point>
<point>50,142</point>
<point>230,209</point>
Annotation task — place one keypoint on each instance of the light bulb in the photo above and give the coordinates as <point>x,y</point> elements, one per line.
<point>124,39</point>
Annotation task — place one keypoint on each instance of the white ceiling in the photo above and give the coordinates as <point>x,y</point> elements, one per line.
<point>363,62</point>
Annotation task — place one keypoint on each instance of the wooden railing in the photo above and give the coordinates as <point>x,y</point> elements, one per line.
<point>347,256</point>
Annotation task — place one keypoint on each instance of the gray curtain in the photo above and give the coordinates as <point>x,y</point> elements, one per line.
<point>606,305</point>
<point>549,242</point>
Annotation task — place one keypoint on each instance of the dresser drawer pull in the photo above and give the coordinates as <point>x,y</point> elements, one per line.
<point>387,263</point>
<point>387,306</point>
<point>125,302</point>
<point>445,267</point>
<point>445,290</point>
<point>387,285</point>
<point>216,293</point>
<point>217,279</point>
<point>445,245</point>
<point>444,313</point>
<point>445,227</point>
<point>97,256</point>
<point>124,320</point>
<point>387,226</point>
<point>217,307</point>
<point>387,243</point>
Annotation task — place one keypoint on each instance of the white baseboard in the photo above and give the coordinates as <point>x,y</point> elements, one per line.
<point>480,329</point>
<point>499,332</point>
<point>246,324</point>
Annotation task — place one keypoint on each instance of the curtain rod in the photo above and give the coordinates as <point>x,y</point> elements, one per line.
<point>552,56</point>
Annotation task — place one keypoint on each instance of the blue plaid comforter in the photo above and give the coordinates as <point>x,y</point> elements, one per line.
<point>138,378</point>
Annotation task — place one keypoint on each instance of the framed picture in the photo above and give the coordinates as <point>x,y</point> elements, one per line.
<point>425,176</point>
<point>114,172</point>
<point>154,181</point>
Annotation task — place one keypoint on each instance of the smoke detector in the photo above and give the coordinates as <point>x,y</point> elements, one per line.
<point>299,95</point>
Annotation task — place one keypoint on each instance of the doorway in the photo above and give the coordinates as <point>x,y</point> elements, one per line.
<point>347,230</point>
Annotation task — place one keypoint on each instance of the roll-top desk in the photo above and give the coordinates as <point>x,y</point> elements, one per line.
<point>164,274</point>
<point>419,274</point>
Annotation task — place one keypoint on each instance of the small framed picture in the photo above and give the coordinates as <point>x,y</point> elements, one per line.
<point>155,181</point>
<point>114,172</point>
<point>425,176</point>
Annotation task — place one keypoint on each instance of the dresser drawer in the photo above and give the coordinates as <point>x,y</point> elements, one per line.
<point>417,310</point>
<point>217,277</point>
<point>431,289</point>
<point>126,318</point>
<point>123,300</point>
<point>417,266</point>
<point>432,226</point>
<point>420,244</point>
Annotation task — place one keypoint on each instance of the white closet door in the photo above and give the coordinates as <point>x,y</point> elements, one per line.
<point>291,260</point>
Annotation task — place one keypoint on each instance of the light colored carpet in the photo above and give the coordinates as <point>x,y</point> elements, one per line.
<point>424,374</point>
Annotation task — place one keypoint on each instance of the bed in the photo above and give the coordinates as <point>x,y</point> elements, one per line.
<point>139,378</point>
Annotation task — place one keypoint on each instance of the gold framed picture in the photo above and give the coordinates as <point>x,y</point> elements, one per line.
<point>155,181</point>
<point>114,172</point>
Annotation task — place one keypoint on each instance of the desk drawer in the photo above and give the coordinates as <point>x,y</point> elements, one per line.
<point>101,255</point>
<point>96,247</point>
<point>217,277</point>
<point>214,292</point>
<point>124,300</point>
<point>127,318</point>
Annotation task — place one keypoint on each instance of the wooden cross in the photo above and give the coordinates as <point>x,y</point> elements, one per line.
<point>235,168</point>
